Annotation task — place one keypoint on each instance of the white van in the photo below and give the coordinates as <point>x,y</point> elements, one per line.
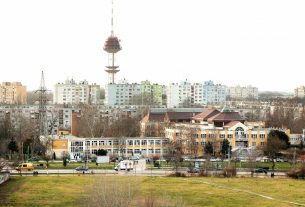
<point>124,165</point>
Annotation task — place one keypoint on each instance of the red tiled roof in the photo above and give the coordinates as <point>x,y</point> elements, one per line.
<point>206,114</point>
<point>180,115</point>
<point>226,116</point>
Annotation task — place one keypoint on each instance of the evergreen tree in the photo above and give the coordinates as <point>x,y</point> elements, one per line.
<point>225,147</point>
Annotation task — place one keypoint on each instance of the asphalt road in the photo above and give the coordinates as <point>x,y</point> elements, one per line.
<point>147,172</point>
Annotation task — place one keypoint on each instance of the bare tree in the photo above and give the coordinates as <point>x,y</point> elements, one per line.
<point>90,123</point>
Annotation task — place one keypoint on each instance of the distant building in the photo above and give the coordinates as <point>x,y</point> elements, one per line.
<point>184,94</point>
<point>124,93</point>
<point>299,92</point>
<point>13,93</point>
<point>71,92</point>
<point>238,92</point>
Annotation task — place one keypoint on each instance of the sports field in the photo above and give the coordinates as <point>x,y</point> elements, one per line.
<point>142,191</point>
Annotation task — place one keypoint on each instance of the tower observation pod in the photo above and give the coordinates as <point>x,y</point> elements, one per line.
<point>112,46</point>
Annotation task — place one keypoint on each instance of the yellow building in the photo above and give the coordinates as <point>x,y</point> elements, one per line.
<point>215,126</point>
<point>13,93</point>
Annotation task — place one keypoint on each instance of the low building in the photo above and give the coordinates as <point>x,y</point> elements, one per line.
<point>215,126</point>
<point>77,147</point>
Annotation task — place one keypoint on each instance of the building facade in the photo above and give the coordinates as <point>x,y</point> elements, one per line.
<point>73,93</point>
<point>184,94</point>
<point>238,92</point>
<point>214,126</point>
<point>13,93</point>
<point>78,147</point>
<point>124,93</point>
<point>299,92</point>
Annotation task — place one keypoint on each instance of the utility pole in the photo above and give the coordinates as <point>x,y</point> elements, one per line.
<point>42,116</point>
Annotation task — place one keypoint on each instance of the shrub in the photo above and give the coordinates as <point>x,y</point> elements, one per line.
<point>178,174</point>
<point>297,173</point>
<point>229,172</point>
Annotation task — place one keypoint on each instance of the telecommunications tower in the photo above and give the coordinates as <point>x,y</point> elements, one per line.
<point>112,46</point>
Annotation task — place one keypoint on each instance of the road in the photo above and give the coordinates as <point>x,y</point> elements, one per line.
<point>147,172</point>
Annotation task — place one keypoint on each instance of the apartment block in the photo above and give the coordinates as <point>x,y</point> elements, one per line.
<point>13,93</point>
<point>239,92</point>
<point>73,93</point>
<point>299,92</point>
<point>124,93</point>
<point>184,93</point>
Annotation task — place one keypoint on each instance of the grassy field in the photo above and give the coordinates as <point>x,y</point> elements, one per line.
<point>196,191</point>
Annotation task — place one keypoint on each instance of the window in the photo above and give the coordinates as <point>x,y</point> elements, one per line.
<point>137,142</point>
<point>94,143</point>
<point>230,135</point>
<point>101,143</point>
<point>222,136</point>
<point>129,142</point>
<point>203,136</point>
<point>262,136</point>
<point>157,142</point>
<point>254,136</point>
<point>144,142</point>
<point>87,143</point>
<point>151,142</point>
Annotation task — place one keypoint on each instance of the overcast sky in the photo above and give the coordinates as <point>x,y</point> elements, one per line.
<point>259,42</point>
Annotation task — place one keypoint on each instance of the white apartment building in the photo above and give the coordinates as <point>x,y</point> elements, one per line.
<point>124,93</point>
<point>240,92</point>
<point>299,92</point>
<point>71,92</point>
<point>179,94</point>
<point>121,93</point>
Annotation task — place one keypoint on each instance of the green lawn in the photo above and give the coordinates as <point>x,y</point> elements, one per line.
<point>196,191</point>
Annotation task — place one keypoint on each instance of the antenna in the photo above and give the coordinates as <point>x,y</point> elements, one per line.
<point>112,33</point>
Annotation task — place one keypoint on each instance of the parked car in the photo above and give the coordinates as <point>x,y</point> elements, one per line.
<point>193,170</point>
<point>25,166</point>
<point>82,168</point>
<point>259,170</point>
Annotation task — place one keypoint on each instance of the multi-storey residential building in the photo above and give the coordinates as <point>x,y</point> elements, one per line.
<point>179,94</point>
<point>184,93</point>
<point>78,147</point>
<point>71,92</point>
<point>123,93</point>
<point>154,93</point>
<point>299,92</point>
<point>13,93</point>
<point>238,92</point>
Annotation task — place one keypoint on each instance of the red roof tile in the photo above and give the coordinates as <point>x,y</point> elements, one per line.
<point>206,114</point>
<point>226,116</point>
